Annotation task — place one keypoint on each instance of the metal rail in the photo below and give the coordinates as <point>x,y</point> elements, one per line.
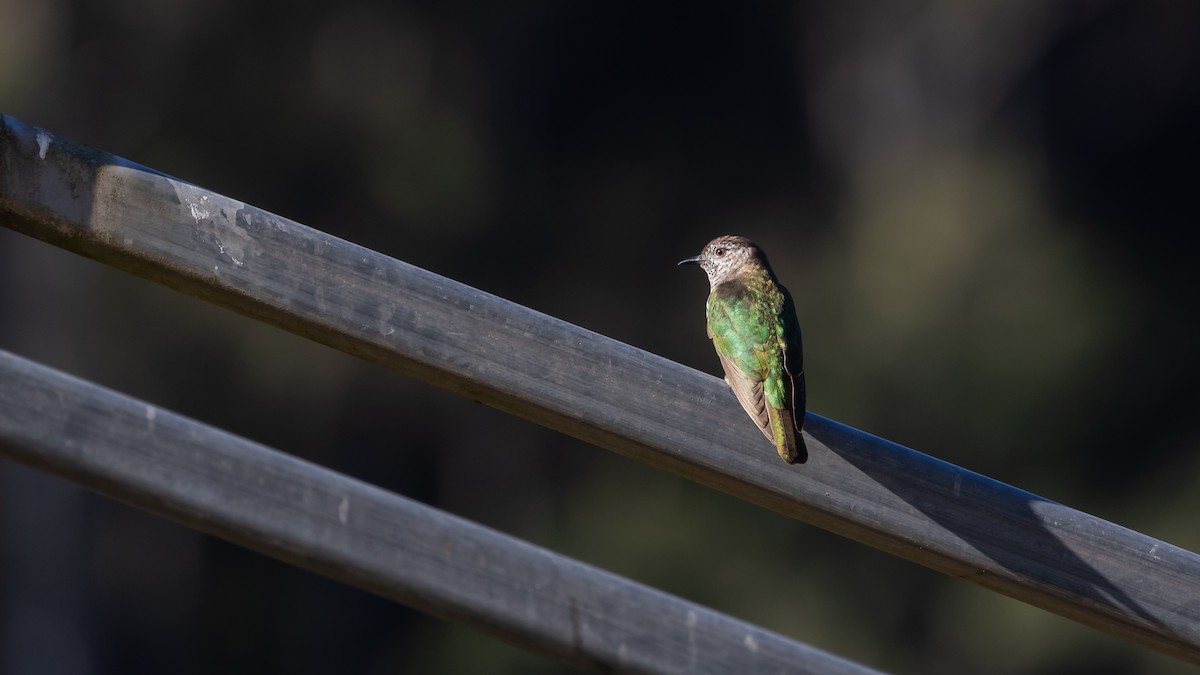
<point>360,535</point>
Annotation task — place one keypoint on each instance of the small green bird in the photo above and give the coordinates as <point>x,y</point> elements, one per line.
<point>752,323</point>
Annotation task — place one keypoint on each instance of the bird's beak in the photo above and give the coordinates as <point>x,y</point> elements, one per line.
<point>694,260</point>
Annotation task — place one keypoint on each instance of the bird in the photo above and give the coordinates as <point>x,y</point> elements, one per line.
<point>752,324</point>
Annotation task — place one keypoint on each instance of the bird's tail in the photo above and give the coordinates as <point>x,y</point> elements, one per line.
<point>789,442</point>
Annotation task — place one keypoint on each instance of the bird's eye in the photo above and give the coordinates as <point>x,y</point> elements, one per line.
<point>719,252</point>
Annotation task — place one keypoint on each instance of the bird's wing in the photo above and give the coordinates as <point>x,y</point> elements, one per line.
<point>745,366</point>
<point>793,358</point>
<point>749,393</point>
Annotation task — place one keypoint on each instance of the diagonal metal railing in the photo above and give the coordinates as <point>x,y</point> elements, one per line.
<point>369,538</point>
<point>596,389</point>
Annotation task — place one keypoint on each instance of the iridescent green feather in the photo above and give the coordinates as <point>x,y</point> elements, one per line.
<point>749,324</point>
<point>745,321</point>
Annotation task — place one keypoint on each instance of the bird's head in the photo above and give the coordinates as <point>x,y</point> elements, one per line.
<point>725,256</point>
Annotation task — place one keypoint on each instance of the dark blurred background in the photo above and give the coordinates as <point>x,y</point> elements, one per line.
<point>985,211</point>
